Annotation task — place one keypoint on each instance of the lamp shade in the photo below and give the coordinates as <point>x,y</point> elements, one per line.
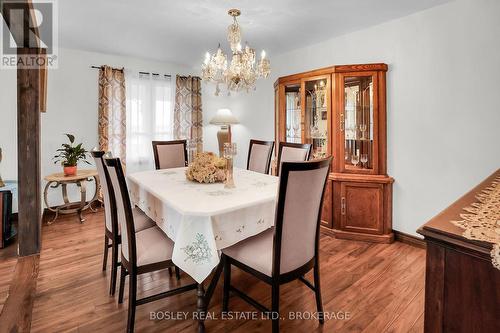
<point>224,117</point>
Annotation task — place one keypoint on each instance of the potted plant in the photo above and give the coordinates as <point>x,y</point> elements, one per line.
<point>69,155</point>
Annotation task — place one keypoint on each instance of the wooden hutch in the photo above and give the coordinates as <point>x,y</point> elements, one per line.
<point>341,111</point>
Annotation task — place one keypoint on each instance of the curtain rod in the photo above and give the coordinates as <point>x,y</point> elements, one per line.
<point>146,73</point>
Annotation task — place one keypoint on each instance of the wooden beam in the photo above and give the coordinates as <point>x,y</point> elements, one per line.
<point>28,133</point>
<point>18,308</point>
<point>28,155</point>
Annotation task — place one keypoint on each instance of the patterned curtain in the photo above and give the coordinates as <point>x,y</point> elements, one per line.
<point>112,112</point>
<point>188,117</point>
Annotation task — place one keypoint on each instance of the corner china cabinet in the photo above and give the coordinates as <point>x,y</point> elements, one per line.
<point>341,111</point>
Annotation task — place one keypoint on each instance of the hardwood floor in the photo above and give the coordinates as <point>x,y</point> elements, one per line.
<point>379,287</point>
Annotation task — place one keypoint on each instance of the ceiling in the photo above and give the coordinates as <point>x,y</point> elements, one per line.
<point>181,31</point>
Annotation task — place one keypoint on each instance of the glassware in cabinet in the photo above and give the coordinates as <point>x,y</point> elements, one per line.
<point>358,125</point>
<point>293,113</point>
<point>316,94</point>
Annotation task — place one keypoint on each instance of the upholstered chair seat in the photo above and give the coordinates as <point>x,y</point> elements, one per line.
<point>256,252</point>
<point>112,230</point>
<point>141,220</point>
<point>290,249</point>
<point>153,246</point>
<point>142,252</point>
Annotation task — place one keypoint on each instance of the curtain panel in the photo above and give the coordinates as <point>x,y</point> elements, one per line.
<point>112,112</point>
<point>149,117</point>
<point>188,118</point>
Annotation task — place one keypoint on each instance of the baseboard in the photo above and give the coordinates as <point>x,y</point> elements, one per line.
<point>398,236</point>
<point>409,239</point>
<point>373,238</point>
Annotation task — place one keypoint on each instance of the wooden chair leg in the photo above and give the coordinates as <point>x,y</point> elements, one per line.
<point>132,296</point>
<point>123,273</point>
<point>177,273</point>
<point>114,268</point>
<point>105,259</point>
<point>275,307</point>
<point>227,284</point>
<point>170,271</point>
<point>317,291</point>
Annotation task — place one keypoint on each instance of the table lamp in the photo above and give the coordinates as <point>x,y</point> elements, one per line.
<point>225,119</point>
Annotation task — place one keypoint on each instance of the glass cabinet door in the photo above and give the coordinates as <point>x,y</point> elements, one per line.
<point>293,114</point>
<point>316,110</point>
<point>358,124</point>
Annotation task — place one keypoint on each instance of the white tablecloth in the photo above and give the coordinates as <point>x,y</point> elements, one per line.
<point>204,218</point>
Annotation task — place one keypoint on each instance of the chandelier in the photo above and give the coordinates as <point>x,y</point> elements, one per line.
<point>242,72</point>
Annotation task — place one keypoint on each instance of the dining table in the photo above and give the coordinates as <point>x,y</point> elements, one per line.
<point>202,219</point>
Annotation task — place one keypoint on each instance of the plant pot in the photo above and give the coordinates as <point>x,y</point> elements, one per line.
<point>70,170</point>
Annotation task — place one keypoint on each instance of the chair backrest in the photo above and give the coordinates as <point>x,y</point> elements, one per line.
<point>298,213</point>
<point>170,154</point>
<point>124,214</point>
<point>110,223</point>
<point>259,156</point>
<point>293,152</point>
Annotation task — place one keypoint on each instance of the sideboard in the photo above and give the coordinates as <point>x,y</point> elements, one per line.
<point>462,287</point>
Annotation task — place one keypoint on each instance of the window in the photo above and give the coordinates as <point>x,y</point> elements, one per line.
<point>149,117</point>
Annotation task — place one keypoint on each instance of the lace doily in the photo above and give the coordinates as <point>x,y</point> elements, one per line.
<point>482,222</point>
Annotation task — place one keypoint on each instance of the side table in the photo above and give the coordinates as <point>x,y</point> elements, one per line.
<point>80,179</point>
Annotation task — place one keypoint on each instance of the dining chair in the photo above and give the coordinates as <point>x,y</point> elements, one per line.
<point>293,152</point>
<point>259,156</point>
<point>170,154</point>
<point>289,250</point>
<point>111,226</point>
<point>143,251</point>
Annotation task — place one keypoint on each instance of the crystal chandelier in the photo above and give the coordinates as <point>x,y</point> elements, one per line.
<point>242,72</point>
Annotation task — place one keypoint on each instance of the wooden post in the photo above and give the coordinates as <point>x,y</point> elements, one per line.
<point>28,152</point>
<point>28,134</point>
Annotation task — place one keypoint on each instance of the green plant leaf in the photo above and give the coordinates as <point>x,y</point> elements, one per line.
<point>71,137</point>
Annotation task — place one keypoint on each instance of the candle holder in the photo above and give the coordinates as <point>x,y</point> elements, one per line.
<point>363,128</point>
<point>192,151</point>
<point>230,151</point>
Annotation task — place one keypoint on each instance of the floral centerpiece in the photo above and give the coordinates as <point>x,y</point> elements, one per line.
<point>206,168</point>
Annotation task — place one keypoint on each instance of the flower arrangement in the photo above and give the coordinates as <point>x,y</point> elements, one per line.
<point>206,168</point>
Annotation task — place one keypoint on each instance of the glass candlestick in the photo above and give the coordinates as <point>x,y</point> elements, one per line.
<point>192,151</point>
<point>229,153</point>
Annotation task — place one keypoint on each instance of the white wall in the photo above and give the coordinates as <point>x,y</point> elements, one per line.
<point>72,107</point>
<point>256,117</point>
<point>443,108</point>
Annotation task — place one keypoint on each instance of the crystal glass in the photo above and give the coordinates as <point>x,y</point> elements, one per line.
<point>230,151</point>
<point>355,159</point>
<point>364,159</point>
<point>346,155</point>
<point>296,127</point>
